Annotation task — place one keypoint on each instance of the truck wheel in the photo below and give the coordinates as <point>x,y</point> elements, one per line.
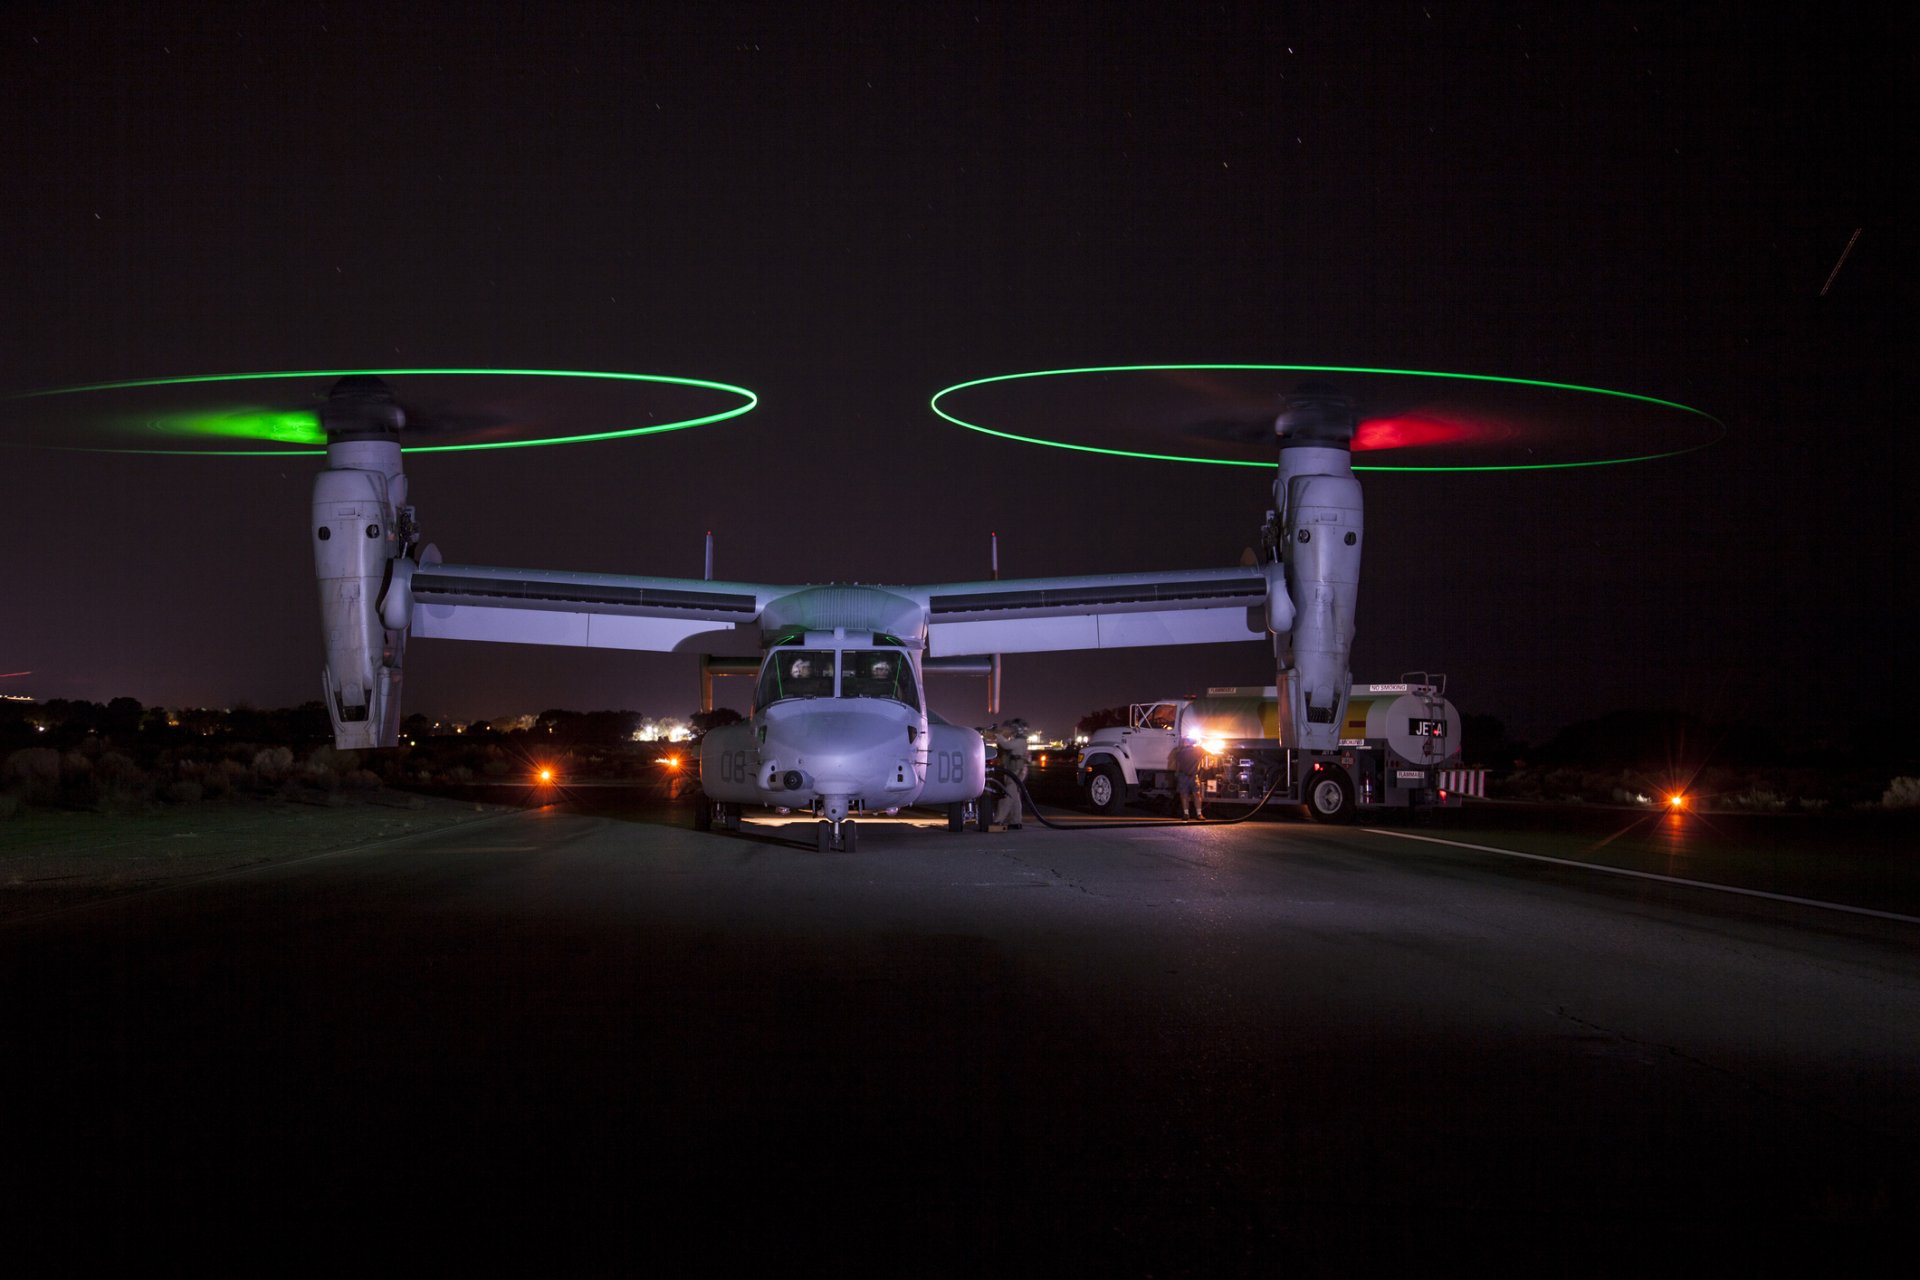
<point>1106,788</point>
<point>1330,796</point>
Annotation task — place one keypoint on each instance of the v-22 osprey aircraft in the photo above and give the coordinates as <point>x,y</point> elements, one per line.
<point>839,721</point>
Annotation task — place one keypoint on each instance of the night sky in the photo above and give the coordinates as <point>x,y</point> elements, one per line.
<point>847,208</point>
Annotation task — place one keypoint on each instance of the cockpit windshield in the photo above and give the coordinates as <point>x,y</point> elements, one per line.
<point>878,673</point>
<point>795,673</point>
<point>864,673</point>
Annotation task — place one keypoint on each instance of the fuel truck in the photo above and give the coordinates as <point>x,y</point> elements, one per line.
<point>1398,747</point>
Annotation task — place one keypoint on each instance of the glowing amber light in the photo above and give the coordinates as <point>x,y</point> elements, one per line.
<point>1677,802</point>
<point>546,775</point>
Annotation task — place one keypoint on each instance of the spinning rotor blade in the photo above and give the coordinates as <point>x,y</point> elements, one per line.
<point>441,410</point>
<point>1384,423</point>
<point>363,404</point>
<point>1408,420</point>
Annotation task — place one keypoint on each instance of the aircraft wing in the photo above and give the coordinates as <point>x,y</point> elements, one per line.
<point>588,610</point>
<point>1101,611</point>
<point>692,615</point>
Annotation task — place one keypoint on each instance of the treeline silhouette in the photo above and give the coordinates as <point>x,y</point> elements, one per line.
<point>120,755</point>
<point>102,755</point>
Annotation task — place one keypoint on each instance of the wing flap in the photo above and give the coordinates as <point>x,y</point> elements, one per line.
<point>585,610</point>
<point>609,593</point>
<point>1111,611</point>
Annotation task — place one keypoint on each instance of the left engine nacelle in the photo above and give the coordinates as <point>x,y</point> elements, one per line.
<point>359,503</point>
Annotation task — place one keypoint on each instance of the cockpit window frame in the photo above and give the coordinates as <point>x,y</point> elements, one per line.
<point>888,688</point>
<point>776,675</point>
<point>776,682</point>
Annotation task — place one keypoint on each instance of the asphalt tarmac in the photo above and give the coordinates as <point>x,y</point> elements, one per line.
<point>578,1042</point>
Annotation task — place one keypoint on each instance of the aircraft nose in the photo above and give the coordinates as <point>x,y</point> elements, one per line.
<point>840,747</point>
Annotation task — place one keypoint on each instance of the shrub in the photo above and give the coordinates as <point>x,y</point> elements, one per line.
<point>34,771</point>
<point>271,764</point>
<point>223,778</point>
<point>118,781</point>
<point>328,761</point>
<point>1903,793</point>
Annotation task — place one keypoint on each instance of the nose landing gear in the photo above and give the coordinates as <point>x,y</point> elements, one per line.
<point>840,841</point>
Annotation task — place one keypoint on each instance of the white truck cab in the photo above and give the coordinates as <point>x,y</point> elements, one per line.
<point>1118,762</point>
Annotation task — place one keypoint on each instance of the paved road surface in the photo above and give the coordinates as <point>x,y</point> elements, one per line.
<point>583,1043</point>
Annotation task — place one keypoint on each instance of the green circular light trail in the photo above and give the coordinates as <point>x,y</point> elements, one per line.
<point>303,427</point>
<point>934,404</point>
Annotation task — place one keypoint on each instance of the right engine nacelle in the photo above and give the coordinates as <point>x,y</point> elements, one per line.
<point>1320,519</point>
<point>356,546</point>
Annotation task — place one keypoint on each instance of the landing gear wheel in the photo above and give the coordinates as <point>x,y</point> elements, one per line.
<point>702,813</point>
<point>983,809</point>
<point>1106,789</point>
<point>826,836</point>
<point>1330,796</point>
<point>957,816</point>
<point>846,836</point>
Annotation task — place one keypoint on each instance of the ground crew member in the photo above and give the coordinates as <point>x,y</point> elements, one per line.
<point>1013,768</point>
<point>1186,761</point>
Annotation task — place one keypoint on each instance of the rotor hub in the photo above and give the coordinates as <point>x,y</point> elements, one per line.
<point>1316,416</point>
<point>361,406</point>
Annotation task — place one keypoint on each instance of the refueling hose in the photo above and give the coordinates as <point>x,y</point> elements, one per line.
<point>1027,799</point>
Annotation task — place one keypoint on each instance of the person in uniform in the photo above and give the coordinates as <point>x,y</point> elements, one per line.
<point>1013,766</point>
<point>1186,761</point>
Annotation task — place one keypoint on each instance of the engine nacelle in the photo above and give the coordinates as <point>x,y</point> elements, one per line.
<point>730,766</point>
<point>1321,518</point>
<point>357,503</point>
<point>956,764</point>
